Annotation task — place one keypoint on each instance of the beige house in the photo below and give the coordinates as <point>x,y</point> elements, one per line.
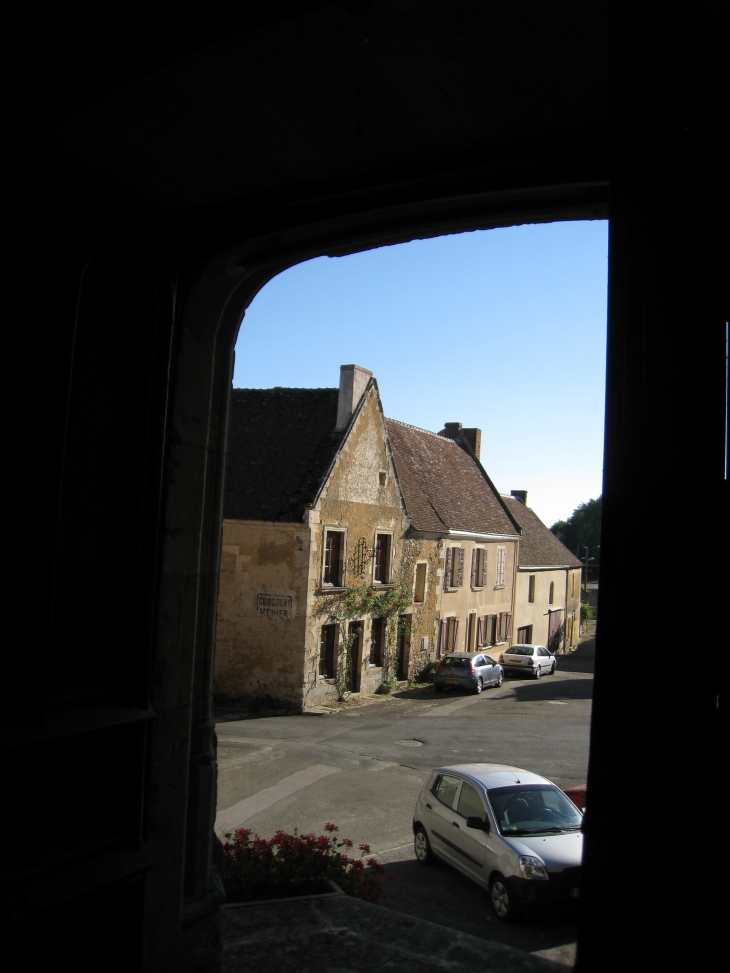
<point>312,510</point>
<point>458,519</point>
<point>547,591</point>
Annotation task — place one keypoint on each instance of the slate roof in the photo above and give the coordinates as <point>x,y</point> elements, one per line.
<point>280,445</point>
<point>443,488</point>
<point>539,547</point>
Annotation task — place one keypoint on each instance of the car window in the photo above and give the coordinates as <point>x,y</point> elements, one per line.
<point>445,789</point>
<point>532,808</point>
<point>458,663</point>
<point>469,801</point>
<point>479,661</point>
<point>521,650</point>
<point>543,652</point>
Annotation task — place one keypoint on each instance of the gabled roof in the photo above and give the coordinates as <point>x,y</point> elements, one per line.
<point>281,443</point>
<point>443,487</point>
<point>539,547</point>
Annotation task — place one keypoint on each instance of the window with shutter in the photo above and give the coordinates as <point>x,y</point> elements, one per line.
<point>460,562</point>
<point>441,647</point>
<point>501,559</point>
<point>327,641</point>
<point>531,588</point>
<point>483,572</point>
<point>448,566</point>
<point>474,559</point>
<point>508,626</point>
<point>454,635</point>
<point>480,632</point>
<point>376,642</point>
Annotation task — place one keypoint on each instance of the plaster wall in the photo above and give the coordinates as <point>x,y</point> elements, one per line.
<point>536,613</point>
<point>492,599</point>
<point>262,603</point>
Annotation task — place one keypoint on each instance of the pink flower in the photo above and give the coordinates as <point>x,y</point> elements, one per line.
<point>347,842</point>
<point>331,827</point>
<point>364,847</point>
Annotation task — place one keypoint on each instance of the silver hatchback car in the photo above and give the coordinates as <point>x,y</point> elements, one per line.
<point>531,660</point>
<point>467,670</point>
<point>512,832</point>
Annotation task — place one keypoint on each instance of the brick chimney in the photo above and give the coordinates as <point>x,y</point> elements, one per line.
<point>353,382</point>
<point>520,495</point>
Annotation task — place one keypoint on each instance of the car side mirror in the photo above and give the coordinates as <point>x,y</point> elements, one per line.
<point>480,824</point>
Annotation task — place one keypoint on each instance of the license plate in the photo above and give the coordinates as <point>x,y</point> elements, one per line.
<point>453,682</point>
<point>575,893</point>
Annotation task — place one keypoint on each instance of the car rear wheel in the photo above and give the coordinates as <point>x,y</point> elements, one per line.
<point>439,689</point>
<point>422,847</point>
<point>479,686</point>
<point>502,901</point>
<point>552,668</point>
<point>537,671</point>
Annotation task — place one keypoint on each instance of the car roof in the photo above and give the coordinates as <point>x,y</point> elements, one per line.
<point>494,775</point>
<point>525,645</point>
<point>463,655</point>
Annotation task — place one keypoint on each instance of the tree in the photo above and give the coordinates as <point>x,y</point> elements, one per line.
<point>582,528</point>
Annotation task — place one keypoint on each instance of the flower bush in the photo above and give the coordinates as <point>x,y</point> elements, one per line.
<point>254,868</point>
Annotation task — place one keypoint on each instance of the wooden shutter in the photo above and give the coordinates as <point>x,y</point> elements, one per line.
<point>460,575</point>
<point>479,633</point>
<point>483,579</point>
<point>441,637</point>
<point>508,628</point>
<point>474,560</point>
<point>448,567</point>
<point>452,647</point>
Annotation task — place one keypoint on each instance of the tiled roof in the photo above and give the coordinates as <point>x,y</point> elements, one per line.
<point>539,548</point>
<point>280,445</point>
<point>443,488</point>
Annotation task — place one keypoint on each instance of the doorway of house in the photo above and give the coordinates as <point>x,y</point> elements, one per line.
<point>403,647</point>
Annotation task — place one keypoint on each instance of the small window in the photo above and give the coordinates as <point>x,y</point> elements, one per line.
<point>501,564</point>
<point>376,642</point>
<point>551,594</point>
<point>469,802</point>
<point>381,571</point>
<point>382,478</point>
<point>524,634</point>
<point>445,789</point>
<point>334,550</point>
<point>419,588</point>
<point>531,588</point>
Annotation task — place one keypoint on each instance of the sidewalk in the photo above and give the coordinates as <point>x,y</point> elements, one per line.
<point>347,935</point>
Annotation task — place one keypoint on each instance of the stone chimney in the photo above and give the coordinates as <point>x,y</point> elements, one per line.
<point>451,430</point>
<point>474,438</point>
<point>520,495</point>
<point>353,382</point>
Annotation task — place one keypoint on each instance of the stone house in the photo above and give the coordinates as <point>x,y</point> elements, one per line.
<point>312,510</point>
<point>547,592</point>
<point>456,519</point>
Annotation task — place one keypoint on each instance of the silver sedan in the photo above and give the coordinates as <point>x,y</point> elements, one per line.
<point>531,660</point>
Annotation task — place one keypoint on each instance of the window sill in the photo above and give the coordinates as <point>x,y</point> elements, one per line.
<point>478,587</point>
<point>452,589</point>
<point>328,589</point>
<point>383,584</point>
<point>498,587</point>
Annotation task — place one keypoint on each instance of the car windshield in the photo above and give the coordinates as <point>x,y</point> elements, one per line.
<point>459,663</point>
<point>521,650</point>
<point>533,809</point>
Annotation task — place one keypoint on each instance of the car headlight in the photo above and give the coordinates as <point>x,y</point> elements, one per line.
<point>532,868</point>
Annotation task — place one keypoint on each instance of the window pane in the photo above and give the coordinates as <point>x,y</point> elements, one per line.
<point>446,789</point>
<point>470,802</point>
<point>420,588</point>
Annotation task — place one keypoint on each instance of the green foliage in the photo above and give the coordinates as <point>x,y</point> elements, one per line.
<point>367,600</point>
<point>287,865</point>
<point>586,612</point>
<point>582,528</point>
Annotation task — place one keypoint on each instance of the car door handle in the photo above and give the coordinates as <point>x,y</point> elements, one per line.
<point>455,824</point>
<point>429,806</point>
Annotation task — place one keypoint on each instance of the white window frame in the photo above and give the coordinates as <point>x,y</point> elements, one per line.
<point>334,529</point>
<point>501,567</point>
<point>424,565</point>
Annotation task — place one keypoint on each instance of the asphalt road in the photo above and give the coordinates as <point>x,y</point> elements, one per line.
<point>363,766</point>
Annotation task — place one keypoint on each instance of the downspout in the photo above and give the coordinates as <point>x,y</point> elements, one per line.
<point>565,627</point>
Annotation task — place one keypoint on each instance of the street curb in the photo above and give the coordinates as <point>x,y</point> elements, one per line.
<point>336,890</point>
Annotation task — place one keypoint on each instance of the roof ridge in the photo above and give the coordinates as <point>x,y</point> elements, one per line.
<point>408,425</point>
<point>286,388</point>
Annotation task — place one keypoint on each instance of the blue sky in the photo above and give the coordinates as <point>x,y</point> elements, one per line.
<point>501,329</point>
